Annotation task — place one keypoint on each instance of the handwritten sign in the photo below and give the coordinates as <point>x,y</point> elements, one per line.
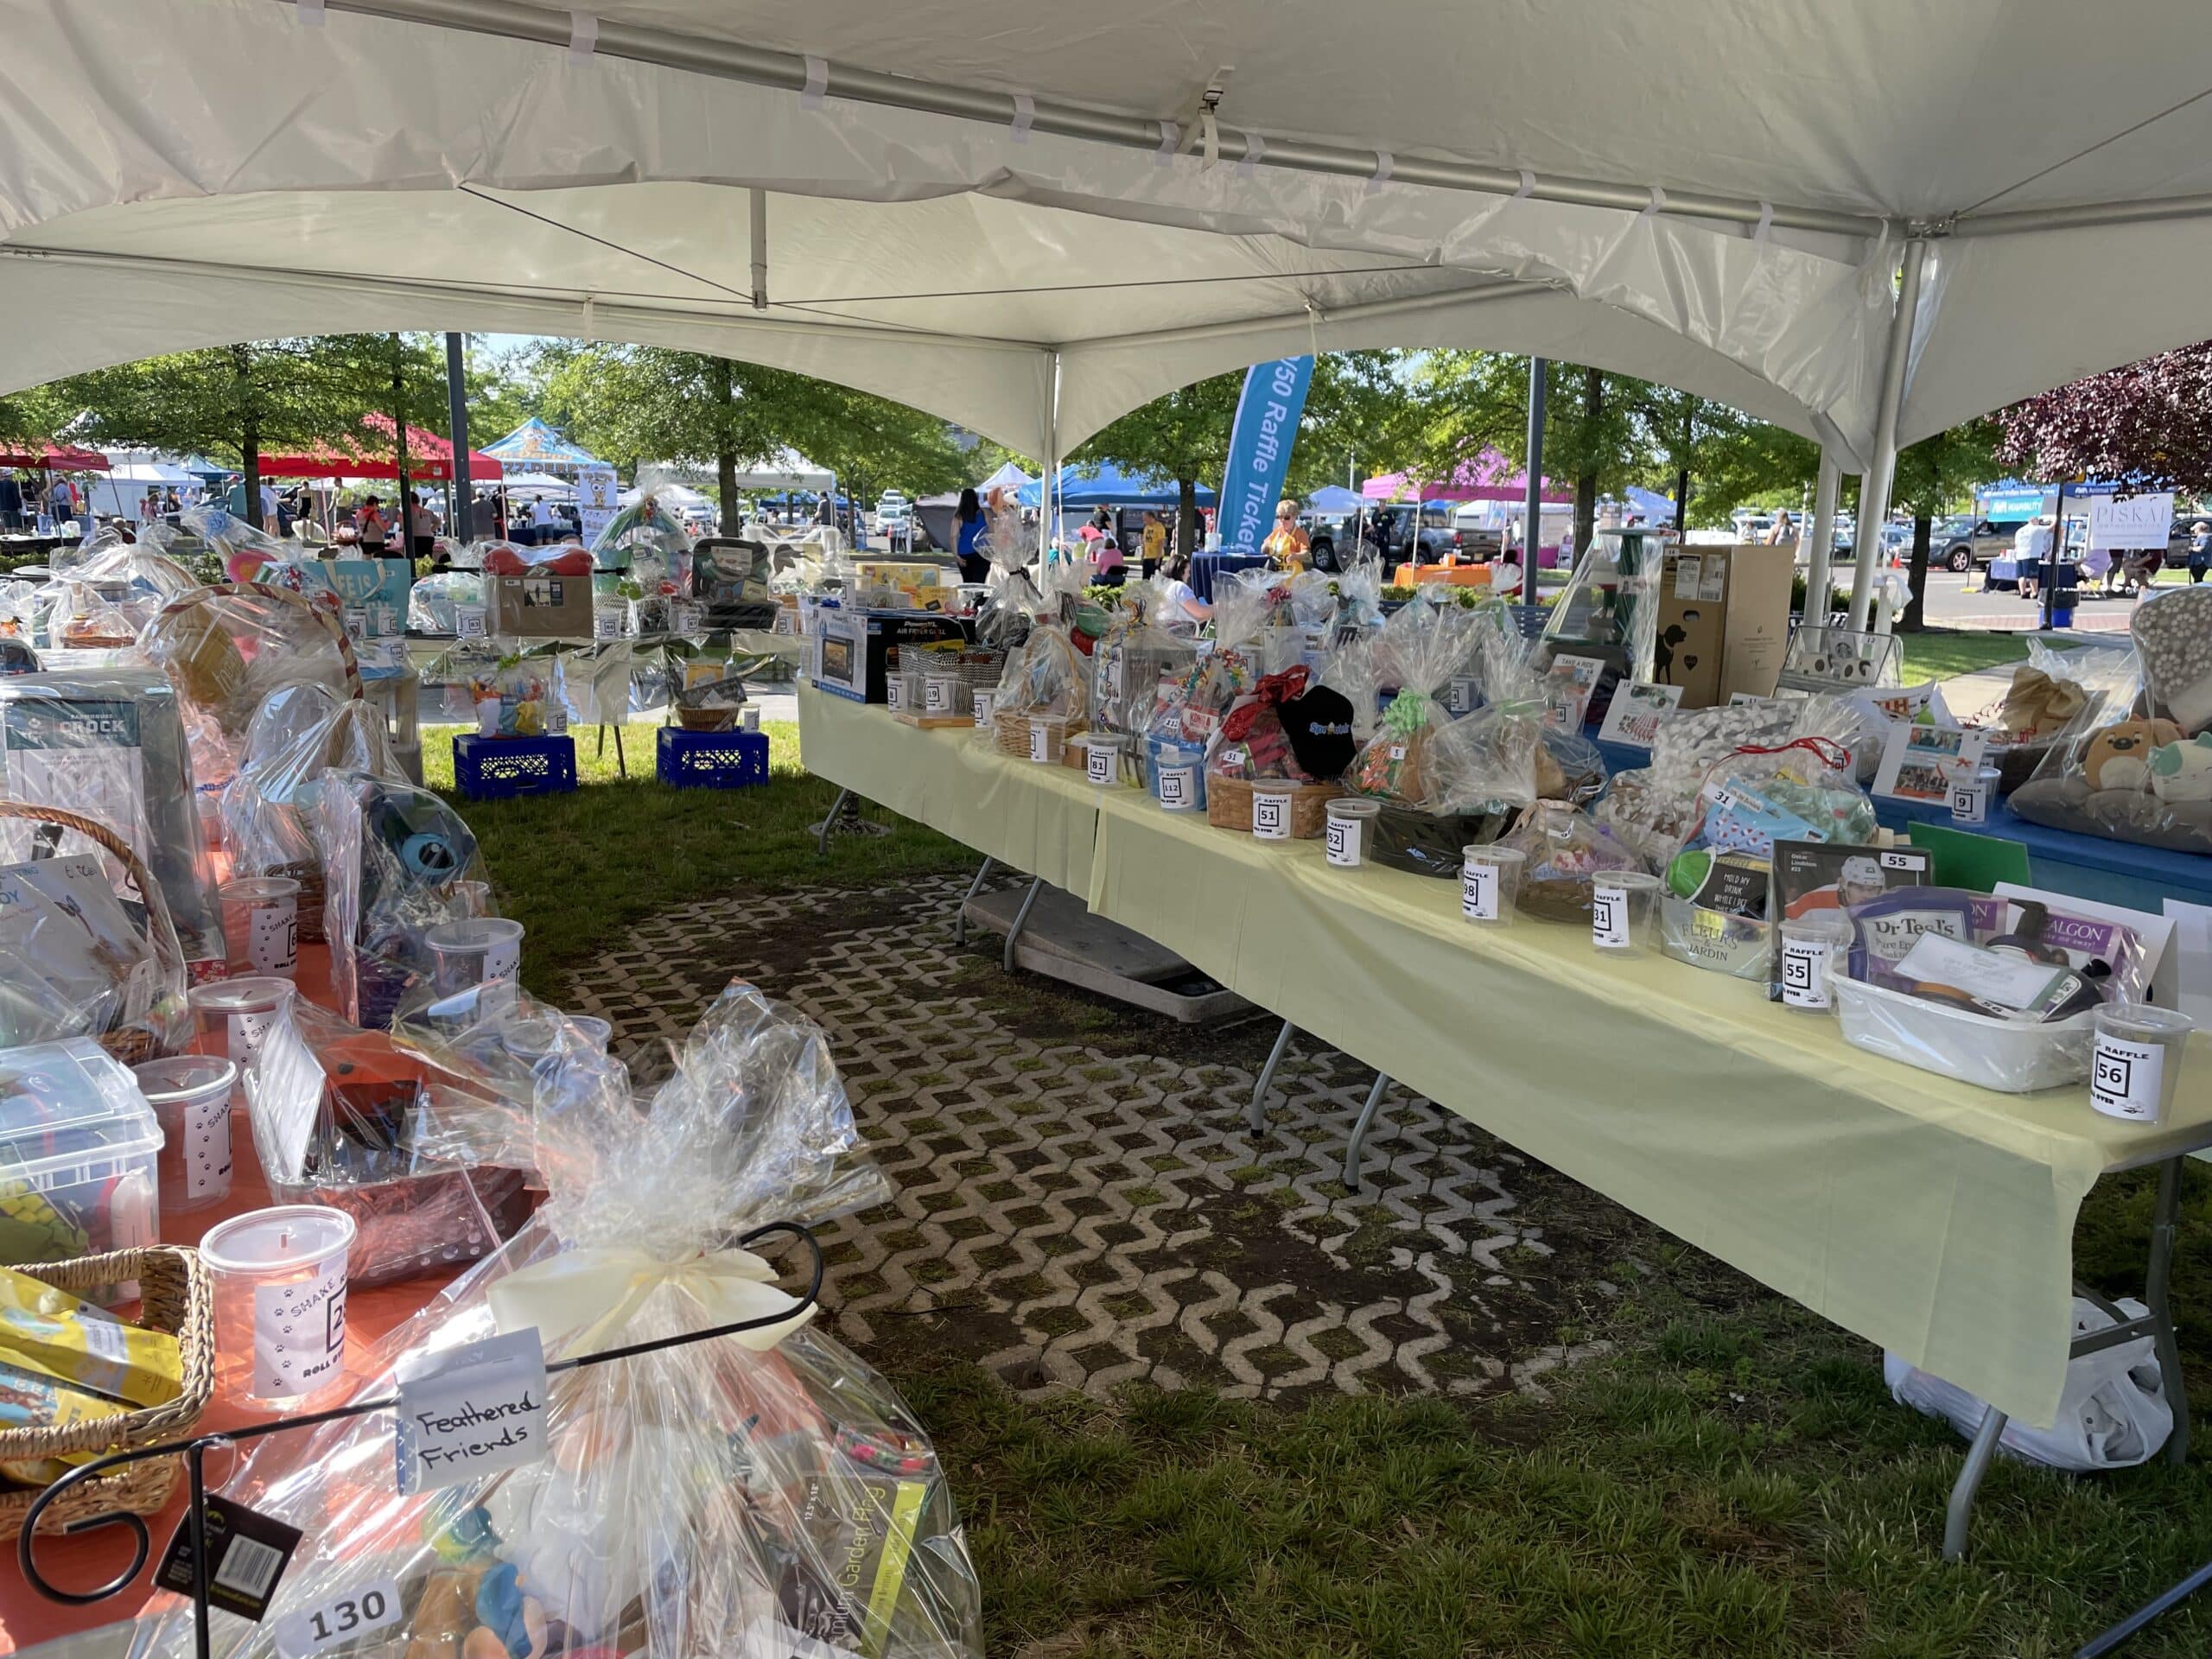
<point>467,1411</point>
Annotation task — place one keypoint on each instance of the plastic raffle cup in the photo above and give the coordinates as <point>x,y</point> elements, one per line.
<point>1624,904</point>
<point>748,718</point>
<point>982,706</point>
<point>231,1016</point>
<point>464,954</point>
<point>1489,881</point>
<point>1971,794</point>
<point>473,897</point>
<point>1813,950</point>
<point>278,1280</point>
<point>1351,820</point>
<point>1102,759</point>
<point>1271,814</point>
<point>2138,1060</point>
<point>468,621</point>
<point>261,924</point>
<point>191,1097</point>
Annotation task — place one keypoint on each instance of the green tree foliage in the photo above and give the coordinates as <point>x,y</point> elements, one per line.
<point>1934,476</point>
<point>1183,435</point>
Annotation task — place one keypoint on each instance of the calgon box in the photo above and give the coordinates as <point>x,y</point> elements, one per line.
<point>849,647</point>
<point>537,607</point>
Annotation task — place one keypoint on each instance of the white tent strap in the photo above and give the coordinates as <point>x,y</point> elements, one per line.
<point>794,72</point>
<point>1255,151</point>
<point>311,13</point>
<point>816,84</point>
<point>1025,117</point>
<point>583,36</point>
<point>1170,136</point>
<point>1384,163</point>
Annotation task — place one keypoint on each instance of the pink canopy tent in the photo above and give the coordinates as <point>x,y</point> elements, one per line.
<point>1484,479</point>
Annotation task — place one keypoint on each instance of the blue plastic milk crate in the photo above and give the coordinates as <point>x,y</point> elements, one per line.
<point>500,768</point>
<point>710,759</point>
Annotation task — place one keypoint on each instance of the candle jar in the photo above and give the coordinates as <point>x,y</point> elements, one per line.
<point>191,1097</point>
<point>261,924</point>
<point>278,1278</point>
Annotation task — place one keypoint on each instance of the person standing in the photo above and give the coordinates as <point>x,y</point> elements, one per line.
<point>421,528</point>
<point>2030,547</point>
<point>1155,539</point>
<point>2200,550</point>
<point>1782,531</point>
<point>371,530</point>
<point>967,530</point>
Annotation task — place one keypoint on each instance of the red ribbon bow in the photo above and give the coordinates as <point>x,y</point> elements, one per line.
<point>1273,690</point>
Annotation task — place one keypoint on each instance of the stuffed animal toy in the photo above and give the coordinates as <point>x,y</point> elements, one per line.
<point>2183,772</point>
<point>2118,757</point>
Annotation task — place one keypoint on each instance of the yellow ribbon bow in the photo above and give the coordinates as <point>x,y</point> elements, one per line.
<point>600,1290</point>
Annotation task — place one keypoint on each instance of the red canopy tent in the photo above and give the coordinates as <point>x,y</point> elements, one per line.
<point>55,458</point>
<point>429,457</point>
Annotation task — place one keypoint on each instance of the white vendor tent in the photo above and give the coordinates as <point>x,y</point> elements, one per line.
<point>1029,218</point>
<point>119,492</point>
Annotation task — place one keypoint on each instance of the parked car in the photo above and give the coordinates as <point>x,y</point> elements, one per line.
<point>1970,541</point>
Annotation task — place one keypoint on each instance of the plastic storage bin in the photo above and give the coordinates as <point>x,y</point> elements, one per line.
<point>710,759</point>
<point>78,1150</point>
<point>500,768</point>
<point>1999,1054</point>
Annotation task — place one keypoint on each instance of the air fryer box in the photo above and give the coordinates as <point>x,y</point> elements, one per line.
<point>850,646</point>
<point>1723,621</point>
<point>541,607</point>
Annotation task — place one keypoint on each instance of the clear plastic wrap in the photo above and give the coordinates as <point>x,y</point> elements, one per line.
<point>1418,648</point>
<point>110,747</point>
<point>433,602</point>
<point>762,1493</point>
<point>1189,710</point>
<point>1505,756</point>
<point>109,591</point>
<point>1047,677</point>
<point>2134,779</point>
<point>1803,789</point>
<point>1131,658</point>
<point>1253,745</point>
<point>397,861</point>
<point>248,555</point>
<point>226,649</point>
<point>1348,668</point>
<point>269,808</point>
<point>1610,609</point>
<point>78,959</point>
<point>1563,849</point>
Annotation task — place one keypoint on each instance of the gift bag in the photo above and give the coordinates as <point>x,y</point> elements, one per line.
<point>248,555</point>
<point>762,1492</point>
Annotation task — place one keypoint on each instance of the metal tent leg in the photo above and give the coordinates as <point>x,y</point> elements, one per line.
<point>1359,1129</point>
<point>1959,1516</point>
<point>829,823</point>
<point>960,920</point>
<point>1021,919</point>
<point>621,761</point>
<point>2163,1220</point>
<point>1256,1115</point>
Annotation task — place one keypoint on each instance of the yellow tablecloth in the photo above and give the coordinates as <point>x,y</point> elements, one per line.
<point>1932,1217</point>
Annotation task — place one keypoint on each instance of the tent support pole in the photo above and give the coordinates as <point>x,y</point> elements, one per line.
<point>460,487</point>
<point>759,206</point>
<point>1820,550</point>
<point>1881,472</point>
<point>1532,504</point>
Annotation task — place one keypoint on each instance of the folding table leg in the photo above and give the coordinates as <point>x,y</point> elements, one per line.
<point>1359,1129</point>
<point>1957,1518</point>
<point>1256,1115</point>
<point>960,920</point>
<point>622,762</point>
<point>1021,919</point>
<point>829,823</point>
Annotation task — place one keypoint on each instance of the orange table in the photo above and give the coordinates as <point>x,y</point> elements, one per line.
<point>27,1617</point>
<point>1456,575</point>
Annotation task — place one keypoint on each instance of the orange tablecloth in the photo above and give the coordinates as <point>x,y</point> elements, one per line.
<point>27,1617</point>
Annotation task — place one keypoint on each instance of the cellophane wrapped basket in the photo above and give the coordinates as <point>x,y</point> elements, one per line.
<point>1131,658</point>
<point>109,589</point>
<point>1564,850</point>
<point>1046,681</point>
<point>1421,647</point>
<point>760,1492</point>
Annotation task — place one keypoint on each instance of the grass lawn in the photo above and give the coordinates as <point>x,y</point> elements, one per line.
<point>1732,1479</point>
<point>1939,656</point>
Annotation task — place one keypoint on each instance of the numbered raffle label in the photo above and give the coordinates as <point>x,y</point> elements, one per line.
<point>1608,918</point>
<point>468,621</point>
<point>1271,816</point>
<point>936,696</point>
<point>1969,802</point>
<point>1344,842</point>
<point>1478,891</point>
<point>1177,793</point>
<point>1098,763</point>
<point>299,1332</point>
<point>352,1612</point>
<point>1460,698</point>
<point>1805,974</point>
<point>983,701</point>
<point>1040,740</point>
<point>894,694</point>
<point>272,938</point>
<point>2126,1079</point>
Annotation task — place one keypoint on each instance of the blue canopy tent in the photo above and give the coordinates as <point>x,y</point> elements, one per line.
<point>1108,486</point>
<point>534,446</point>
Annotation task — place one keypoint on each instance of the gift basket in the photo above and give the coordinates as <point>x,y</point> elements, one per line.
<point>335,1111</point>
<point>1131,658</point>
<point>1610,610</point>
<point>760,1492</point>
<point>110,747</point>
<point>109,591</point>
<point>1564,847</point>
<point>1657,809</point>
<point>77,957</point>
<point>1043,697</point>
<point>2053,696</point>
<point>52,1419</point>
<point>1485,770</point>
<point>269,807</point>
<point>226,648</point>
<point>435,601</point>
<point>397,861</point>
<point>248,555</point>
<point>1285,736</point>
<point>1995,992</point>
<point>1418,648</point>
<point>730,578</point>
<point>649,549</point>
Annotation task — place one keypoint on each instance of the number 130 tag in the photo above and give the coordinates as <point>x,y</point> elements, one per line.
<point>350,1613</point>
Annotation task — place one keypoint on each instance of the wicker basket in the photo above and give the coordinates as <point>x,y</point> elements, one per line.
<point>718,718</point>
<point>1228,804</point>
<point>148,1037</point>
<point>1012,734</point>
<point>1567,899</point>
<point>173,1297</point>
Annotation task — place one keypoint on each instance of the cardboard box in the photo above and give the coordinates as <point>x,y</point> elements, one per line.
<point>1724,621</point>
<point>540,607</point>
<point>849,647</point>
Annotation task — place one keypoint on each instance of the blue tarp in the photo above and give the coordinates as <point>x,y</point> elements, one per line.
<point>1108,486</point>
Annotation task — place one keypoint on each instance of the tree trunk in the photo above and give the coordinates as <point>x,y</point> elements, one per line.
<point>1585,484</point>
<point>1681,500</point>
<point>1186,516</point>
<point>725,393</point>
<point>1913,621</point>
<point>248,430</point>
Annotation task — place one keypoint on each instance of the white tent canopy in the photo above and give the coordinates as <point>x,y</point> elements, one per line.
<point>1717,199</point>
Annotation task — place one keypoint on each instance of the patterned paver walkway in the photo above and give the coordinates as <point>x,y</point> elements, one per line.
<point>1078,1200</point>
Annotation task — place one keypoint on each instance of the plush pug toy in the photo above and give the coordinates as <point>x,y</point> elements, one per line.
<point>2118,757</point>
<point>2183,772</point>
